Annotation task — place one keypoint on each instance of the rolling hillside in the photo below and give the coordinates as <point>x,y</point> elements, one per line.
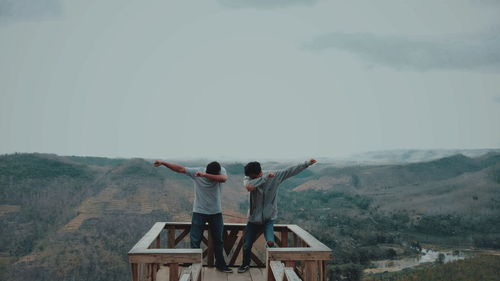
<point>75,218</point>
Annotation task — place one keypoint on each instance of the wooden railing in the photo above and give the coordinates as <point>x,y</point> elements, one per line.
<point>297,251</point>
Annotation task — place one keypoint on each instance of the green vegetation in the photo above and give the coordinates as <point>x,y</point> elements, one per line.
<point>484,268</point>
<point>364,213</point>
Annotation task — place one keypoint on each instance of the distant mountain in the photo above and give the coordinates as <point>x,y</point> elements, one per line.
<point>410,155</point>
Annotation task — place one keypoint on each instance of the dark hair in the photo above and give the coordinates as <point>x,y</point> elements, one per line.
<point>213,168</point>
<point>252,169</point>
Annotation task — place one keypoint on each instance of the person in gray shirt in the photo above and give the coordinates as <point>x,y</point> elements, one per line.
<point>263,208</point>
<point>207,205</point>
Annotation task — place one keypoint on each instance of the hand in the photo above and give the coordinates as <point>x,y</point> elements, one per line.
<point>250,187</point>
<point>271,175</point>
<point>199,174</point>
<point>312,161</point>
<point>157,163</point>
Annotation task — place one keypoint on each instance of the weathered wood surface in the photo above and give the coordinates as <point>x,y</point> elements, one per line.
<point>164,256</point>
<point>291,275</point>
<point>149,261</point>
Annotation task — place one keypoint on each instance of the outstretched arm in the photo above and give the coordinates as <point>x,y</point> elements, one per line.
<point>171,166</point>
<point>293,170</point>
<point>217,178</point>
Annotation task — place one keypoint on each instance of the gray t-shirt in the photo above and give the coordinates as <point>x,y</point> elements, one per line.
<point>207,193</point>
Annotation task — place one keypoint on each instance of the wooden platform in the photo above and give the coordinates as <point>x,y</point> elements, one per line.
<point>211,274</point>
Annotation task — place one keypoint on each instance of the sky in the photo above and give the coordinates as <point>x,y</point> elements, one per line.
<point>239,79</point>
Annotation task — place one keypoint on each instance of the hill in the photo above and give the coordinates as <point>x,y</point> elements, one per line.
<point>75,218</point>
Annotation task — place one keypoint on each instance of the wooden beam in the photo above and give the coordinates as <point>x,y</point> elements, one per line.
<point>196,272</point>
<point>310,240</point>
<point>284,238</point>
<point>173,272</point>
<point>182,235</point>
<point>164,256</point>
<point>310,271</point>
<point>210,254</point>
<point>230,240</point>
<point>171,236</point>
<point>298,254</point>
<point>236,252</point>
<point>291,275</point>
<point>256,259</point>
<point>149,237</point>
<point>135,271</point>
<point>278,241</point>
<point>277,269</point>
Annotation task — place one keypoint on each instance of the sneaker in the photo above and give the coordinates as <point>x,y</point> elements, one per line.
<point>243,268</point>
<point>225,269</point>
<point>270,244</point>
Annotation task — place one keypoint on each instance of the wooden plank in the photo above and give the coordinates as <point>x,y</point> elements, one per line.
<point>291,275</point>
<point>171,236</point>
<point>185,277</point>
<point>174,272</point>
<point>256,259</point>
<point>210,253</point>
<point>297,254</point>
<point>196,272</point>
<point>284,238</point>
<point>135,271</point>
<point>164,256</point>
<point>230,240</point>
<point>212,274</point>
<point>277,269</point>
<point>158,242</point>
<point>278,241</point>
<point>149,237</point>
<point>256,274</point>
<point>235,276</point>
<point>310,240</point>
<point>236,252</point>
<point>295,240</point>
<point>181,236</point>
<point>322,270</point>
<point>310,271</point>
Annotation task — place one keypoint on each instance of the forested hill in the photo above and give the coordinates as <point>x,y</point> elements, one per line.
<point>75,218</point>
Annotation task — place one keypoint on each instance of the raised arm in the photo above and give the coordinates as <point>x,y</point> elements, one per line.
<point>293,170</point>
<point>171,166</point>
<point>217,178</point>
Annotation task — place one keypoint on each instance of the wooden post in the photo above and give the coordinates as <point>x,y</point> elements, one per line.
<point>171,236</point>
<point>295,240</point>
<point>323,270</point>
<point>210,255</point>
<point>284,238</point>
<point>135,271</point>
<point>158,242</point>
<point>174,272</point>
<point>269,272</point>
<point>310,271</point>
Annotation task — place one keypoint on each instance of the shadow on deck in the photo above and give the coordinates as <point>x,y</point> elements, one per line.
<point>299,256</point>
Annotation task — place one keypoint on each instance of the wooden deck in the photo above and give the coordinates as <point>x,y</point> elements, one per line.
<point>211,274</point>
<point>161,252</point>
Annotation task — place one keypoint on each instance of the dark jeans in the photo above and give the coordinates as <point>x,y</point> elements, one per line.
<point>251,232</point>
<point>216,227</point>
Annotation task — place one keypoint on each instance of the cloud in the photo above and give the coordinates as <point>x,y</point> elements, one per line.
<point>29,10</point>
<point>496,99</point>
<point>478,53</point>
<point>266,4</point>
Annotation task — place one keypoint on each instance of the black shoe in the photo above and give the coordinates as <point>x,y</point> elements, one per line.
<point>225,269</point>
<point>243,268</point>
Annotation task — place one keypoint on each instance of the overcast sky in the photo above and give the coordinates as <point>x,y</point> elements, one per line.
<point>244,79</point>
